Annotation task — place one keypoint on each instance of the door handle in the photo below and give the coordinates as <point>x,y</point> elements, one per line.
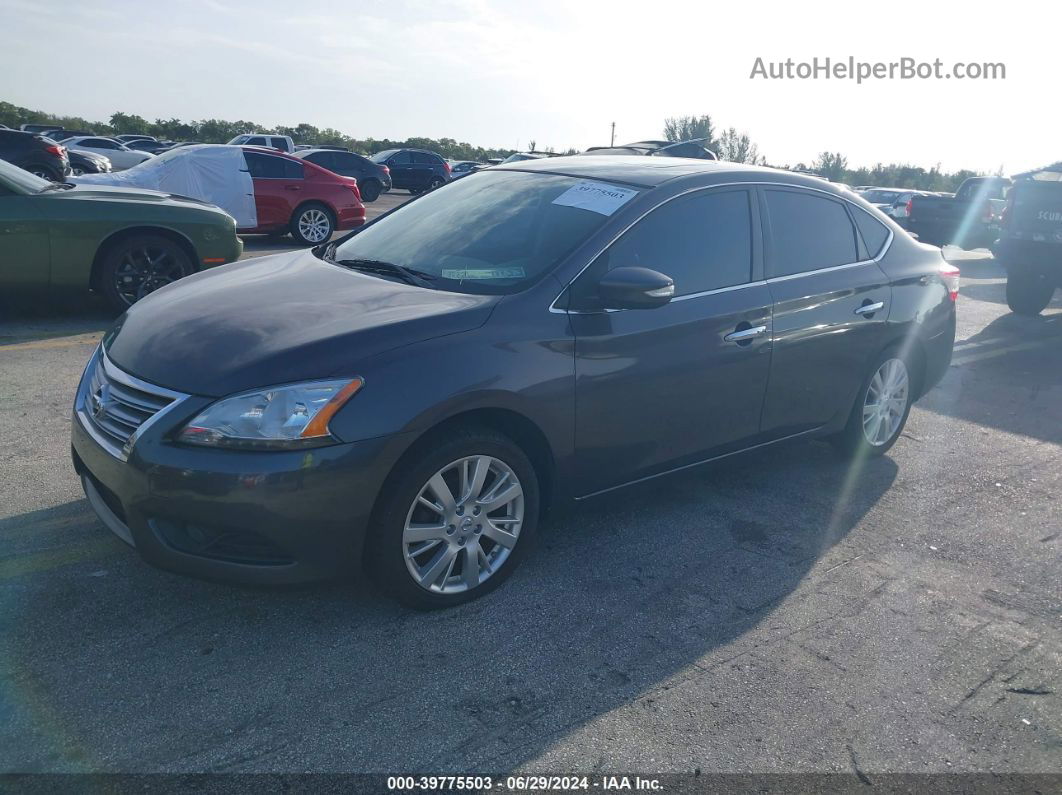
<point>745,334</point>
<point>870,309</point>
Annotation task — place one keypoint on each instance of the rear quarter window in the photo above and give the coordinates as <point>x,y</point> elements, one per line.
<point>874,232</point>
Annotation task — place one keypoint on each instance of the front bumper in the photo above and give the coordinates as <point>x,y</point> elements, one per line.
<point>252,517</point>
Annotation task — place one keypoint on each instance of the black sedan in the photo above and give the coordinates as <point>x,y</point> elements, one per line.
<point>413,396</point>
<point>373,178</point>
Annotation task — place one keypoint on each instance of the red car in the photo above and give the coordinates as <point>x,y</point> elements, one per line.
<point>296,196</point>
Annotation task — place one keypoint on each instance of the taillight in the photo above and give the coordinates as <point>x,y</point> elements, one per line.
<point>386,170</point>
<point>446,166</point>
<point>907,208</point>
<point>56,150</point>
<point>949,275</point>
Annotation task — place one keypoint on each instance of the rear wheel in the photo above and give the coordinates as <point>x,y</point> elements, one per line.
<point>455,520</point>
<point>370,190</point>
<point>436,182</point>
<point>134,267</point>
<point>312,224</point>
<point>1028,291</point>
<point>881,408</point>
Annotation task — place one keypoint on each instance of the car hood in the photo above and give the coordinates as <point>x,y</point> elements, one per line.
<point>279,319</point>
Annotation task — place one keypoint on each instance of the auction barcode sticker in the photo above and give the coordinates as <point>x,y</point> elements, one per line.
<point>598,197</point>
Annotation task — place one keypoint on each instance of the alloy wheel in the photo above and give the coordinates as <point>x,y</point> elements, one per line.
<point>463,524</point>
<point>143,270</point>
<point>885,402</point>
<point>314,225</point>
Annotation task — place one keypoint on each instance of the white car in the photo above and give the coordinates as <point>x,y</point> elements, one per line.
<point>121,156</point>
<point>270,140</point>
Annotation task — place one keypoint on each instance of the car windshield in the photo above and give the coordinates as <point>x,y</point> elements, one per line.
<point>379,157</point>
<point>489,233</point>
<point>21,181</point>
<point>881,196</point>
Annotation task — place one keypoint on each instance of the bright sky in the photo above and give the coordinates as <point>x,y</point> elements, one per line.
<point>503,72</point>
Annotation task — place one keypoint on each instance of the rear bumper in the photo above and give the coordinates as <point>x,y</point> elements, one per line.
<point>257,518</point>
<point>350,217</point>
<point>938,351</point>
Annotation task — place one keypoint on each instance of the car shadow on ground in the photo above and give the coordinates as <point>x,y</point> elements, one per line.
<point>1009,378</point>
<point>30,317</point>
<point>112,664</point>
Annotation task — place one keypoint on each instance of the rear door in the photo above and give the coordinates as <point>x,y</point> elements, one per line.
<point>423,169</point>
<point>664,387</point>
<point>831,302</point>
<point>278,187</point>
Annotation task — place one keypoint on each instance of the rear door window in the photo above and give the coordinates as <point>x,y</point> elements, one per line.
<point>808,232</point>
<point>263,166</point>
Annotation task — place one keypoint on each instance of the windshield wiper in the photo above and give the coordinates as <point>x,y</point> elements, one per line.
<point>408,275</point>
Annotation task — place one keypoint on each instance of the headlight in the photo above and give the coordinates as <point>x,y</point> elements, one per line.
<point>275,418</point>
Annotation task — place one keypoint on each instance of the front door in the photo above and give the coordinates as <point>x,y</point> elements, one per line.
<point>660,388</point>
<point>25,255</point>
<point>831,302</point>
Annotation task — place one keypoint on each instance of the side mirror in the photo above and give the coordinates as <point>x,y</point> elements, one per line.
<point>635,288</point>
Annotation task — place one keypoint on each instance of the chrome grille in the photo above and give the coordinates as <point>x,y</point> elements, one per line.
<point>114,406</point>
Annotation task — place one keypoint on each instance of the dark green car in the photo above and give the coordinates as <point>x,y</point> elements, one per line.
<point>121,242</point>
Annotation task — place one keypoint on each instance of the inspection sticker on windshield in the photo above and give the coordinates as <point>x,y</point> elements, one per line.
<point>483,273</point>
<point>598,197</point>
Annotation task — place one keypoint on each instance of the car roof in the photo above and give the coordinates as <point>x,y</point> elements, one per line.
<point>648,172</point>
<point>304,152</point>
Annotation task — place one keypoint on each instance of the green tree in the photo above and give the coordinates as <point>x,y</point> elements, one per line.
<point>738,148</point>
<point>831,165</point>
<point>686,128</point>
<point>127,123</point>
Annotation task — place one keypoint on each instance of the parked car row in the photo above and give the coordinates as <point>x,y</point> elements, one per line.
<point>264,190</point>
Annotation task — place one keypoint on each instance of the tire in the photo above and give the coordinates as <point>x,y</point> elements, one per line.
<point>137,266</point>
<point>862,437</point>
<point>424,567</point>
<point>43,173</point>
<point>436,182</point>
<point>76,171</point>
<point>370,190</point>
<point>1028,291</point>
<point>312,224</point>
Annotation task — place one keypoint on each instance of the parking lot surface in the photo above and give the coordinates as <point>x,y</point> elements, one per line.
<point>776,611</point>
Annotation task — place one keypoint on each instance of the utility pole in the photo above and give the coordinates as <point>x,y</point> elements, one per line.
<point>612,140</point>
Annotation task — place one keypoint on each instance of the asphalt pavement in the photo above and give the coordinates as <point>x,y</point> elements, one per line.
<point>779,611</point>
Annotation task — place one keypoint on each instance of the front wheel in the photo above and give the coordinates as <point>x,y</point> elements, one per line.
<point>881,408</point>
<point>1028,292</point>
<point>140,265</point>
<point>312,224</point>
<point>455,519</point>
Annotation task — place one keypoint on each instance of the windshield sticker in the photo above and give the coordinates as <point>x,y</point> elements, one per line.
<point>483,273</point>
<point>598,197</point>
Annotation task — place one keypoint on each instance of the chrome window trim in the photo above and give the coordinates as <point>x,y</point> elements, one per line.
<point>553,308</point>
<point>124,378</point>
